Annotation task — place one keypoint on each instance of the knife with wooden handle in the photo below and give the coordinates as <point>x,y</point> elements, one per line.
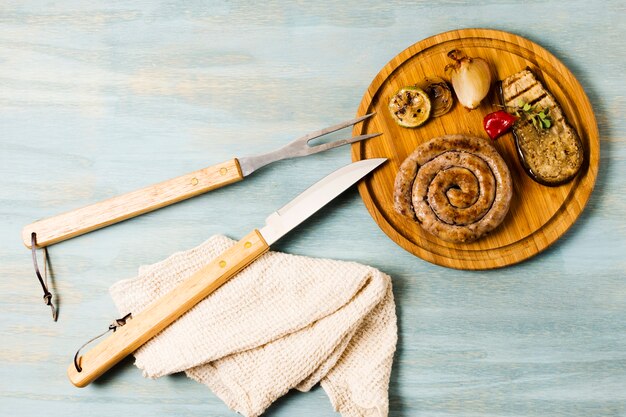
<point>95,216</point>
<point>146,324</point>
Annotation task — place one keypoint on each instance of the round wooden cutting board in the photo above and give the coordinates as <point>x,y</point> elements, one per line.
<point>538,214</point>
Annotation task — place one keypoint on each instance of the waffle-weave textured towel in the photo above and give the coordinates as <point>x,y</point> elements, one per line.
<point>284,322</point>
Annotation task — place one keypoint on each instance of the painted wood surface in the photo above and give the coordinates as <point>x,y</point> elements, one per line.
<point>101,98</point>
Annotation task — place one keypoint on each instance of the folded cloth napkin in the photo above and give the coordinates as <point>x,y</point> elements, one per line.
<point>283,322</point>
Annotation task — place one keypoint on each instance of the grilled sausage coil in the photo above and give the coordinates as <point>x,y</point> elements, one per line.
<point>457,187</point>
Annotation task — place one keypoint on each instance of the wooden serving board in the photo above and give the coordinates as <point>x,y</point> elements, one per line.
<point>538,214</point>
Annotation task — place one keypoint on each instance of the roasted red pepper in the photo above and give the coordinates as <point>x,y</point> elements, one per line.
<point>498,123</point>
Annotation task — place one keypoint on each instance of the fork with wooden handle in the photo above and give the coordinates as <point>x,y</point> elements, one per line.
<point>95,216</point>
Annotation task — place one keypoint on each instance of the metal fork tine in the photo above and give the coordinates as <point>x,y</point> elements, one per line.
<point>341,142</point>
<point>310,136</point>
<point>301,147</point>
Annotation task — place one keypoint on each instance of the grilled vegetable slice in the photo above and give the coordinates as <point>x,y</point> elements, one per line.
<point>440,96</point>
<point>410,107</point>
<point>549,148</point>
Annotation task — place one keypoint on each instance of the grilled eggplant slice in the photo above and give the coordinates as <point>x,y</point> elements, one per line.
<point>553,154</point>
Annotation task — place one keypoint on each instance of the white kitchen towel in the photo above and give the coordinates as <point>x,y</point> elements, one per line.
<point>284,322</point>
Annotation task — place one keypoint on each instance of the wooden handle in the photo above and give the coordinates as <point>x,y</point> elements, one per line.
<point>77,222</point>
<point>160,314</point>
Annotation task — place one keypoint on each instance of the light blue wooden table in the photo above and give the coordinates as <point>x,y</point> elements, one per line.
<point>99,98</point>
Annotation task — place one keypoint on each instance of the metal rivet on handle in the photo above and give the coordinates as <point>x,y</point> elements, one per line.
<point>222,264</point>
<point>194,181</point>
<point>247,245</point>
<point>223,171</point>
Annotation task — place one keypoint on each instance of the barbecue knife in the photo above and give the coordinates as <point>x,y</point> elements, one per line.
<point>144,325</point>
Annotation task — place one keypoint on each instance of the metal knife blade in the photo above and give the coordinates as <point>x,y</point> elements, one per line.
<point>314,198</point>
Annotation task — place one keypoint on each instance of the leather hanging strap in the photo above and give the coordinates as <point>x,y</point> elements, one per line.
<point>43,280</point>
<point>112,327</point>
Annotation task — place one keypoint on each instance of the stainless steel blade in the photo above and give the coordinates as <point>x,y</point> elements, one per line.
<point>314,198</point>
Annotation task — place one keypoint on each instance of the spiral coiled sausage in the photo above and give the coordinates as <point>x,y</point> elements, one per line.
<point>457,187</point>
